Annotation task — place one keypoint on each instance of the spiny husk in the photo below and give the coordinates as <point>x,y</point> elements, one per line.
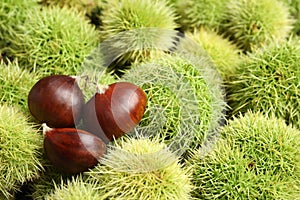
<point>140,169</point>
<point>258,157</point>
<point>137,45</point>
<point>91,9</point>
<point>294,7</point>
<point>225,55</point>
<point>74,189</point>
<point>46,183</point>
<point>269,82</point>
<point>84,6</point>
<point>54,40</point>
<point>200,13</point>
<point>15,84</point>
<point>12,14</point>
<point>20,145</point>
<point>111,55</point>
<point>124,15</point>
<point>137,26</point>
<point>184,105</point>
<point>253,23</point>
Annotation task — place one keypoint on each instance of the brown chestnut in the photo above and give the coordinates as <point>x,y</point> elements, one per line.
<point>72,150</point>
<point>115,110</point>
<point>56,100</point>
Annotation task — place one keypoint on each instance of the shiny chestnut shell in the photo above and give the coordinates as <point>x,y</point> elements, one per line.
<point>114,111</point>
<point>72,150</point>
<point>56,100</point>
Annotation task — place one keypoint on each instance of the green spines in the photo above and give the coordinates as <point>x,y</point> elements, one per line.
<point>249,24</point>
<point>184,105</point>
<point>257,157</point>
<point>254,23</point>
<point>91,9</point>
<point>54,41</point>
<point>140,169</point>
<point>46,183</point>
<point>20,144</point>
<point>171,106</point>
<point>15,84</point>
<point>53,185</point>
<point>124,15</point>
<point>84,6</point>
<point>75,189</point>
<point>200,13</point>
<point>135,27</point>
<point>294,7</point>
<point>12,14</point>
<point>224,54</point>
<point>268,81</point>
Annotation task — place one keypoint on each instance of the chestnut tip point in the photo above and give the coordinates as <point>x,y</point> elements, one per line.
<point>46,128</point>
<point>76,78</point>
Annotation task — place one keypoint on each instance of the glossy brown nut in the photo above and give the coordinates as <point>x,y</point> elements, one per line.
<point>56,100</point>
<point>114,111</point>
<point>72,150</point>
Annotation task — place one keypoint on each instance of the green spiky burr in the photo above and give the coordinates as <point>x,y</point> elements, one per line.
<point>54,40</point>
<point>91,9</point>
<point>268,81</point>
<point>15,84</point>
<point>125,15</point>
<point>76,188</point>
<point>200,13</point>
<point>48,181</point>
<point>12,14</point>
<point>294,7</point>
<point>251,24</point>
<point>83,6</point>
<point>256,158</point>
<point>135,27</point>
<point>140,169</point>
<point>224,54</point>
<point>20,145</point>
<point>184,104</point>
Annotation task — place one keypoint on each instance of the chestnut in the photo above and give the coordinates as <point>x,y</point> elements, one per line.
<point>114,110</point>
<point>56,100</point>
<point>72,150</point>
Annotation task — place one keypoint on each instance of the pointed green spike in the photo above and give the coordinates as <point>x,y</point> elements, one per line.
<point>20,146</point>
<point>268,81</point>
<point>54,40</point>
<point>257,158</point>
<point>140,169</point>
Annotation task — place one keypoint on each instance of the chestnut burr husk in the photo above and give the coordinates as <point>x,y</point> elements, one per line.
<point>115,110</point>
<point>71,150</point>
<point>56,100</point>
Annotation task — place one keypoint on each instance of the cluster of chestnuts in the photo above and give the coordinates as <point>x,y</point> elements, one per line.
<point>58,103</point>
